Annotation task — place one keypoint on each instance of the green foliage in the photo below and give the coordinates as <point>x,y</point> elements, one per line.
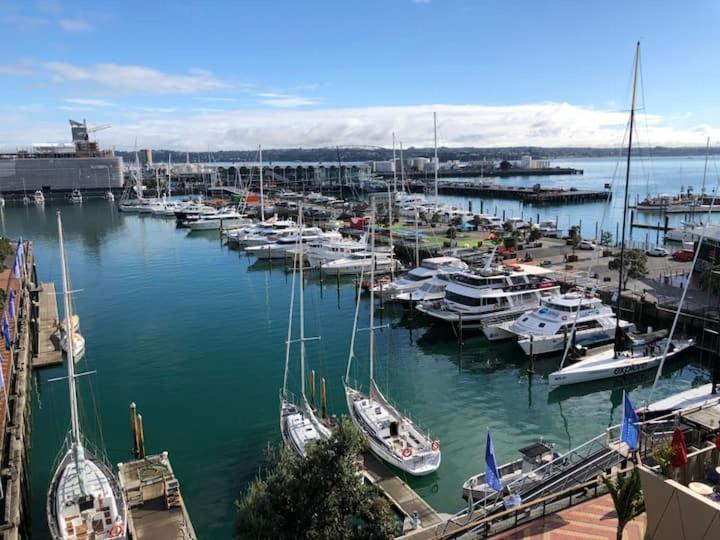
<point>662,456</point>
<point>534,234</point>
<point>510,241</point>
<point>508,226</point>
<point>606,238</point>
<point>635,263</point>
<point>626,493</point>
<point>451,233</point>
<point>315,498</point>
<point>6,249</point>
<point>496,239</point>
<point>457,220</point>
<point>478,221</point>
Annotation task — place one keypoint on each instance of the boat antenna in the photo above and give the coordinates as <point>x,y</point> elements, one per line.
<point>618,332</point>
<point>77,449</point>
<point>676,318</point>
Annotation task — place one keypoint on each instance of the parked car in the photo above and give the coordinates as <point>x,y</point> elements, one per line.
<point>683,255</point>
<point>586,244</point>
<point>657,252</point>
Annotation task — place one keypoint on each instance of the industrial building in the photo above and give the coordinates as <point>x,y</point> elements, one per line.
<point>58,168</point>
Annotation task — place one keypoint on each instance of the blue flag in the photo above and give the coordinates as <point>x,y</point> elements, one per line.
<point>20,251</point>
<point>492,477</point>
<point>16,269</point>
<point>11,305</point>
<point>630,431</point>
<point>6,332</point>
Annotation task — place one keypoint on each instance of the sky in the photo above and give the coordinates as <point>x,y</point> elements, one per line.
<point>211,75</point>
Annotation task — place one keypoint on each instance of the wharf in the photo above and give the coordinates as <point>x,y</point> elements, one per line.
<point>398,492</point>
<point>533,195</point>
<point>475,172</point>
<point>48,350</point>
<point>156,510</point>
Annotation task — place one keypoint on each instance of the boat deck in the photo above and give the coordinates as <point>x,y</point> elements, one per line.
<point>398,492</point>
<point>156,509</point>
<point>48,353</point>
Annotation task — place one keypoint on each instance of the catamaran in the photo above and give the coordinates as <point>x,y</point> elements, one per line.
<point>549,325</point>
<point>298,424</point>
<point>391,436</point>
<point>84,500</point>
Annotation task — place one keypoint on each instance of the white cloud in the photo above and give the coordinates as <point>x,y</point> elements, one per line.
<point>216,98</point>
<point>98,103</point>
<point>74,25</point>
<point>134,79</point>
<point>14,69</point>
<point>157,109</point>
<point>539,124</point>
<point>285,101</point>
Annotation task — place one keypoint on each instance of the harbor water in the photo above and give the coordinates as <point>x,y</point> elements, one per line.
<point>195,334</point>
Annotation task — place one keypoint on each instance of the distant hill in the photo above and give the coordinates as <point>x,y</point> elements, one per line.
<point>330,155</point>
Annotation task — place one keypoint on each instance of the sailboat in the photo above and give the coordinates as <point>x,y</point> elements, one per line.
<point>84,499</point>
<point>393,437</point>
<point>298,424</point>
<point>619,360</point>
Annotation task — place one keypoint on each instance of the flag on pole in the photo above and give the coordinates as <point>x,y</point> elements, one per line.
<point>492,477</point>
<point>6,332</point>
<point>11,305</point>
<point>16,269</point>
<point>20,251</point>
<point>630,432</point>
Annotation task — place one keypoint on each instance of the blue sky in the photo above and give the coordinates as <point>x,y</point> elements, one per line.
<point>217,74</point>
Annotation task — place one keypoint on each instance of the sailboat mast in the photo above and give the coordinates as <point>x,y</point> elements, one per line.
<point>402,168</point>
<point>302,310</point>
<point>437,164</point>
<point>74,420</point>
<point>169,189</point>
<point>618,333</point>
<point>262,195</point>
<point>372,294</point>
<point>394,167</point>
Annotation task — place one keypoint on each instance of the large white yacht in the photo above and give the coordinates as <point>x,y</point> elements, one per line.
<point>490,296</point>
<point>418,276</point>
<point>258,233</point>
<point>551,324</point>
<point>321,253</point>
<point>221,220</point>
<point>287,244</point>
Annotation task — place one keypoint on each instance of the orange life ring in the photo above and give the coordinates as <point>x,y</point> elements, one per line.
<point>436,446</point>
<point>407,452</point>
<point>116,530</point>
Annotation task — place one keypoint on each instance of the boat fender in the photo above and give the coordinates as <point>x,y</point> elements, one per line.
<point>116,530</point>
<point>407,452</point>
<point>436,446</point>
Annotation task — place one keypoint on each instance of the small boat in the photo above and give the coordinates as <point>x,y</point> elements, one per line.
<point>699,396</point>
<point>39,197</point>
<point>533,457</point>
<point>2,201</point>
<point>75,323</point>
<point>432,290</point>
<point>391,436</point>
<point>362,261</point>
<point>26,200</point>
<point>76,196</point>
<point>109,196</point>
<point>78,345</point>
<point>84,499</point>
<point>217,221</point>
<point>417,277</point>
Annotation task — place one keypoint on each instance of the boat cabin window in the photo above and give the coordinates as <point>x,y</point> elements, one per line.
<point>517,280</point>
<point>414,277</point>
<point>469,300</point>
<point>394,430</point>
<point>86,503</point>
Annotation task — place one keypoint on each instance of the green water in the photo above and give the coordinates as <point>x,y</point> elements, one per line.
<point>194,333</point>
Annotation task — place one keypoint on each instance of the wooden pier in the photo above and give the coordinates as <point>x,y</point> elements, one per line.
<point>48,348</point>
<point>399,493</point>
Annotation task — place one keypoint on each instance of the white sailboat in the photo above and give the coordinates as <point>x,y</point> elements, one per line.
<point>85,500</point>
<point>298,424</point>
<point>616,360</point>
<point>392,437</point>
<point>39,198</point>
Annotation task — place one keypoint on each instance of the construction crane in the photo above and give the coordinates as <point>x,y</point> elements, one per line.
<point>99,128</point>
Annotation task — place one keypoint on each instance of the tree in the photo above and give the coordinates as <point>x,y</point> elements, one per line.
<point>534,234</point>
<point>606,238</point>
<point>6,249</point>
<point>478,221</point>
<point>626,493</point>
<point>508,226</point>
<point>635,263</point>
<point>457,220</point>
<point>317,497</point>
<point>505,165</point>
<point>511,240</point>
<point>451,233</point>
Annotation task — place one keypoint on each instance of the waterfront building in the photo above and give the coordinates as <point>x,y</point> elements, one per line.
<point>60,168</point>
<point>145,157</point>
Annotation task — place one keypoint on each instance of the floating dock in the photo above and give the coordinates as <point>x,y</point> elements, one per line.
<point>399,493</point>
<point>156,510</point>
<point>48,351</point>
